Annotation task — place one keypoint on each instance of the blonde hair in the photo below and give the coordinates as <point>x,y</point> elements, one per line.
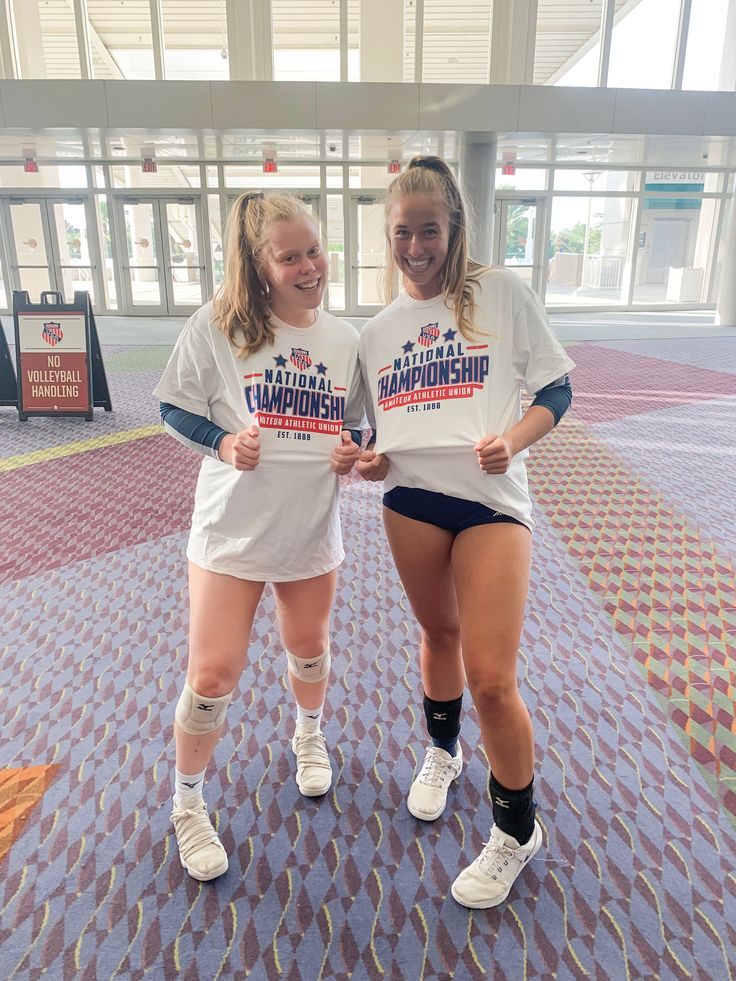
<point>459,273</point>
<point>242,302</point>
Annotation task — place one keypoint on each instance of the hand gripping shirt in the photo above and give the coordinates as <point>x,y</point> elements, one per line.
<point>431,394</point>
<point>279,522</point>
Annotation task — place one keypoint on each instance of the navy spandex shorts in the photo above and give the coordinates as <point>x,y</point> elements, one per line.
<point>451,513</point>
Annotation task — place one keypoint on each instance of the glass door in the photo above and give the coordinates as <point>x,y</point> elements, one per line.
<point>50,247</point>
<point>182,220</point>
<point>518,229</point>
<point>30,247</point>
<point>368,250</point>
<point>142,273</point>
<point>75,270</point>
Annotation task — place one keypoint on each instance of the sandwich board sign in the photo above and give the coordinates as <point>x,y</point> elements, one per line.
<point>59,361</point>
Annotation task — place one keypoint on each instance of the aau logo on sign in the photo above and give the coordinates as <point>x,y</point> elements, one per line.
<point>52,333</point>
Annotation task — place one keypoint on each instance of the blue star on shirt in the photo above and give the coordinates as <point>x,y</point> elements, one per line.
<point>407,347</point>
<point>449,336</point>
<point>280,361</point>
<point>321,368</point>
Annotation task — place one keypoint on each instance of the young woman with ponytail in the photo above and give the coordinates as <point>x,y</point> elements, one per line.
<point>443,366</point>
<point>266,386</point>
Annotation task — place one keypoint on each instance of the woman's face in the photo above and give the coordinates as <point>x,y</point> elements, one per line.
<point>295,268</point>
<point>419,233</point>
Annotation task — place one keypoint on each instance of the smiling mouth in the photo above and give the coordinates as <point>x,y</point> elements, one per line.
<point>308,287</point>
<point>418,266</point>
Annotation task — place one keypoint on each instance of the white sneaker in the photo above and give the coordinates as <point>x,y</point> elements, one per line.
<point>313,769</point>
<point>200,850</point>
<point>428,794</point>
<point>488,881</point>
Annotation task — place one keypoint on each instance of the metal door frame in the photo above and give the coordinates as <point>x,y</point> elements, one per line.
<point>503,201</point>
<point>50,231</point>
<point>359,198</point>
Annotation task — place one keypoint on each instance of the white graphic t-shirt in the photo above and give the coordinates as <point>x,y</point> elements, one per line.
<point>279,522</point>
<point>432,394</point>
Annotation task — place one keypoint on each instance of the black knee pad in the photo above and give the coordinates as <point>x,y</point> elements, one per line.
<point>443,718</point>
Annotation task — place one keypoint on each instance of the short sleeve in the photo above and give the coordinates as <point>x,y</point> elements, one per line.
<point>191,378</point>
<point>538,356</point>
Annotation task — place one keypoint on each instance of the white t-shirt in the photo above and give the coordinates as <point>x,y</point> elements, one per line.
<point>279,522</point>
<point>433,394</point>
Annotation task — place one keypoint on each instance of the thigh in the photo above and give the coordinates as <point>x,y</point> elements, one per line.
<point>221,612</point>
<point>303,610</point>
<point>422,553</point>
<point>490,565</point>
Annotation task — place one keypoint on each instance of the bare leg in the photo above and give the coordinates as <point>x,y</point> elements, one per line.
<point>221,615</point>
<point>491,569</point>
<point>303,610</point>
<point>418,547</point>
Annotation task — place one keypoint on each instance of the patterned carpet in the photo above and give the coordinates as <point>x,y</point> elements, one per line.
<point>628,667</point>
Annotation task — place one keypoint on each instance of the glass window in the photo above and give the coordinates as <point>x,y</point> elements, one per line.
<point>247,176</point>
<point>587,256</point>
<point>172,178</point>
<point>336,252</point>
<point>195,39</point>
<point>216,238</point>
<point>456,42</point>
<point>636,62</point>
<point>525,178</point>
<point>705,40</point>
<point>102,210</point>
<point>674,239</point>
<point>598,180</point>
<point>53,52</point>
<point>125,32</point>
<point>49,176</point>
<point>727,213</point>
<point>567,48</point>
<point>306,41</point>
<point>410,28</point>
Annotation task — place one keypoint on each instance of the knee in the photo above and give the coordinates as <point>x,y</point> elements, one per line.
<point>492,693</point>
<point>212,681</point>
<point>441,638</point>
<point>309,644</point>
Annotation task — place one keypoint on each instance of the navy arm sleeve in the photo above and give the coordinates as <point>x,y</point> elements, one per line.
<point>557,397</point>
<point>195,432</point>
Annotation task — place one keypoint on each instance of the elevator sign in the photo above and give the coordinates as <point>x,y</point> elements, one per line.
<point>53,362</point>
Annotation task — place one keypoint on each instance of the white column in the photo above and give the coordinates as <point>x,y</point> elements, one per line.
<point>477,166</point>
<point>250,39</point>
<point>9,57</point>
<point>382,41</point>
<point>727,80</point>
<point>513,39</point>
<point>157,40</point>
<point>726,300</point>
<point>81,21</point>
<point>30,40</point>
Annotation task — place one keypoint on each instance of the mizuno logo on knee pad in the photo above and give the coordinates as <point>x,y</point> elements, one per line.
<point>440,716</point>
<point>198,717</point>
<point>311,670</point>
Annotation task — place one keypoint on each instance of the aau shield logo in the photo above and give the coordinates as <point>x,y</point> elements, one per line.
<point>52,333</point>
<point>428,335</point>
<point>300,358</point>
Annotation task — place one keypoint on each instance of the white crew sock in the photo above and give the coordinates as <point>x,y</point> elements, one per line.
<point>309,719</point>
<point>186,786</point>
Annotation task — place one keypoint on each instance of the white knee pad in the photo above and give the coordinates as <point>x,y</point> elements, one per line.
<point>310,669</point>
<point>198,714</point>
